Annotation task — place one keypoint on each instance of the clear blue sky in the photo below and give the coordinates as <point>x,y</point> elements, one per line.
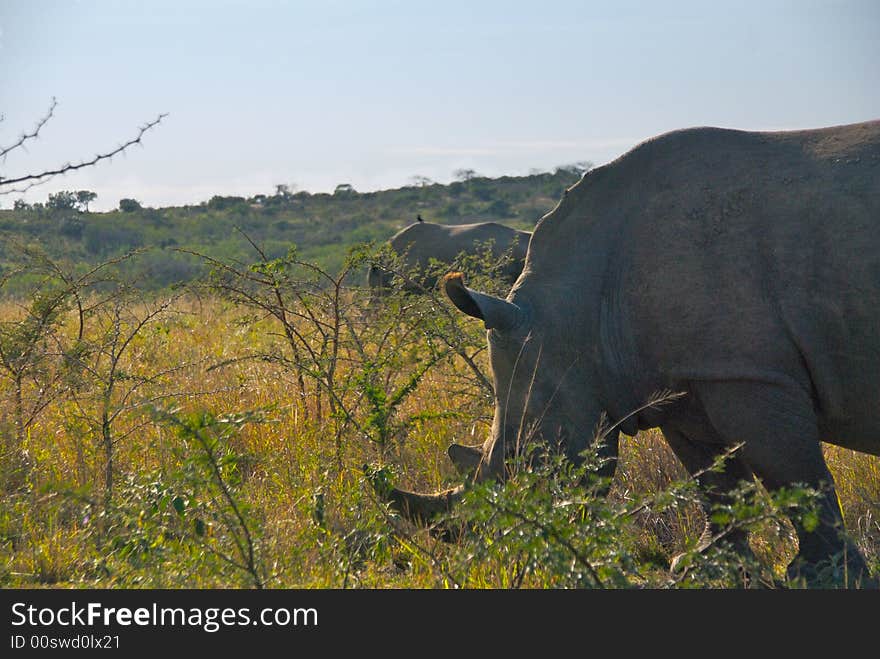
<point>314,94</point>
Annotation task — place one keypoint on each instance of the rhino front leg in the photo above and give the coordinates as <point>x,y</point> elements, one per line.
<point>780,436</point>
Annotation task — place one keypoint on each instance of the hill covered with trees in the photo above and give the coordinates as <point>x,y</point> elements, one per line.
<point>322,225</point>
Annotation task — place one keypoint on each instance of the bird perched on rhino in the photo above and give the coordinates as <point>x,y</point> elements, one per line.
<point>421,242</point>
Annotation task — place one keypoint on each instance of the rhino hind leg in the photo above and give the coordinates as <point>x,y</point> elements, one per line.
<point>779,431</point>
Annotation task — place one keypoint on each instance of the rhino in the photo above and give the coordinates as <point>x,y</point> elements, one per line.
<point>741,269</point>
<point>422,241</point>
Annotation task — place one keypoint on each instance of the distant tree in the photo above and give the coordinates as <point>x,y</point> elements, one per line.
<point>222,203</point>
<point>464,174</point>
<point>129,205</point>
<point>21,205</point>
<point>344,189</point>
<point>421,181</point>
<point>63,200</point>
<point>22,182</point>
<point>284,189</point>
<point>84,198</point>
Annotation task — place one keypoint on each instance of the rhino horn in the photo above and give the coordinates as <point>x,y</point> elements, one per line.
<point>493,311</point>
<point>466,459</point>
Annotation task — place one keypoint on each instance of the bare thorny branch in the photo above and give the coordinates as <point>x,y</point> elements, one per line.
<point>24,137</point>
<point>37,178</point>
<point>452,340</point>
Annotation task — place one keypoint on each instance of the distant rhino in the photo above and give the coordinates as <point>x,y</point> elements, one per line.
<point>420,242</point>
<point>741,268</point>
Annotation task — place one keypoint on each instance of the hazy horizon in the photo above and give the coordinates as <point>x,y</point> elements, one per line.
<point>372,94</point>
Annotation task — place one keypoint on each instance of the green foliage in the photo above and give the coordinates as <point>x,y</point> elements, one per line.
<point>344,189</point>
<point>219,203</point>
<point>71,227</point>
<point>167,525</point>
<point>210,512</point>
<point>62,201</point>
<point>84,198</point>
<point>383,405</point>
<point>28,344</point>
<point>103,239</point>
<point>129,205</point>
<point>324,226</point>
<point>551,525</point>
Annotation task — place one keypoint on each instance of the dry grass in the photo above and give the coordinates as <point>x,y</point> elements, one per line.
<point>287,468</point>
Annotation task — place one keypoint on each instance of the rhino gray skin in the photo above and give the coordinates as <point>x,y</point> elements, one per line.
<point>741,268</point>
<point>420,242</point>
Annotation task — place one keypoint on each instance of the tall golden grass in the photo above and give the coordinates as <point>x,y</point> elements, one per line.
<point>300,479</point>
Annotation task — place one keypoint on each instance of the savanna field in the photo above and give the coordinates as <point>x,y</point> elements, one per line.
<point>240,431</point>
<point>225,472</point>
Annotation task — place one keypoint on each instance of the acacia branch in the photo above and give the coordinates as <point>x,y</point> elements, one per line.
<point>24,137</point>
<point>42,177</point>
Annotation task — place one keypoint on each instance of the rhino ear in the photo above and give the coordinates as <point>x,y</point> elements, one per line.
<point>493,311</point>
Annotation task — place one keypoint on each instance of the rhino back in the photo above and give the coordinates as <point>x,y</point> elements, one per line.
<point>718,254</point>
<point>427,240</point>
<point>499,235</point>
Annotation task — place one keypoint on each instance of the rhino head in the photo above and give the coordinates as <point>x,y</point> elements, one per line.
<point>543,393</point>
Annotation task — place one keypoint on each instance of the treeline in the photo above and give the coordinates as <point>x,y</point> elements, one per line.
<point>323,225</point>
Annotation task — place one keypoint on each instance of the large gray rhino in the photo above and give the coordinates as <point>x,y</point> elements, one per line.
<point>742,268</point>
<point>420,242</point>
